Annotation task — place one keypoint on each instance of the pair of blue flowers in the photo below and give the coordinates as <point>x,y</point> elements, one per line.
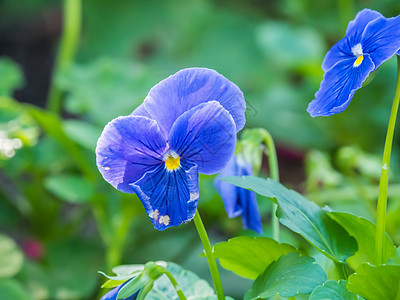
<point>370,40</point>
<point>186,125</point>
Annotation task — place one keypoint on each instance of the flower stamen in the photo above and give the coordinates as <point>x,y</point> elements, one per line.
<point>172,160</point>
<point>358,61</point>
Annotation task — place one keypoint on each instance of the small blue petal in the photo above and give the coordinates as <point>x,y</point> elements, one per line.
<point>188,88</point>
<point>205,136</point>
<point>170,198</point>
<point>381,39</point>
<point>342,49</point>
<point>339,85</point>
<point>127,148</point>
<point>112,295</point>
<point>239,201</point>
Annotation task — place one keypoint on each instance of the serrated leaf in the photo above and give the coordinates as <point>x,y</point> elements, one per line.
<point>363,231</point>
<point>290,275</point>
<point>11,257</point>
<point>376,282</point>
<point>249,256</point>
<point>332,290</point>
<point>71,188</point>
<point>303,216</point>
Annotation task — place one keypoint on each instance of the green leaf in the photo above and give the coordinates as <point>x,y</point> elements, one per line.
<point>112,283</point>
<point>332,290</point>
<point>11,257</point>
<point>192,286</point>
<point>290,275</point>
<point>363,231</point>
<point>395,260</point>
<point>51,124</point>
<point>83,133</point>
<point>12,289</point>
<point>11,77</point>
<point>303,216</point>
<point>71,188</point>
<point>376,282</point>
<point>249,256</point>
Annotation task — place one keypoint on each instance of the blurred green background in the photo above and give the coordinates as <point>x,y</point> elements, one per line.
<point>60,222</point>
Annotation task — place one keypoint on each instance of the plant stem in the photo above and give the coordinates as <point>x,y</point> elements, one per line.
<point>178,289</point>
<point>210,256</point>
<point>274,173</point>
<point>341,268</point>
<point>67,49</point>
<point>384,181</point>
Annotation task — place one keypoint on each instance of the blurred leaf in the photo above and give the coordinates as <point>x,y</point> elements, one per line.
<point>333,290</point>
<point>249,257</point>
<point>11,257</point>
<point>303,216</point>
<point>104,90</point>
<point>51,124</point>
<point>11,77</point>
<point>82,133</point>
<point>71,188</point>
<point>290,46</point>
<point>395,260</point>
<point>364,232</point>
<point>375,282</point>
<point>290,275</point>
<point>12,289</point>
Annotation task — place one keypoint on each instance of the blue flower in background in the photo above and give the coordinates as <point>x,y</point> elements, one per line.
<point>112,295</point>
<point>186,125</point>
<point>239,201</point>
<point>370,40</point>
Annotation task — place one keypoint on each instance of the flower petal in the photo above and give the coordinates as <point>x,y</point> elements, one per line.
<point>342,49</point>
<point>228,192</point>
<point>381,39</point>
<point>127,148</point>
<point>112,295</point>
<point>339,85</point>
<point>251,218</point>
<point>188,88</point>
<point>169,197</point>
<point>205,136</point>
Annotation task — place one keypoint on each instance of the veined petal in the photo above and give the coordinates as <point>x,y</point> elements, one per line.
<point>169,197</point>
<point>342,49</point>
<point>188,88</point>
<point>381,39</point>
<point>205,136</point>
<point>229,192</point>
<point>127,148</point>
<point>339,85</point>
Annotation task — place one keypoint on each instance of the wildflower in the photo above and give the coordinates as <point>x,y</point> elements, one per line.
<point>370,40</point>
<point>239,201</point>
<point>186,125</point>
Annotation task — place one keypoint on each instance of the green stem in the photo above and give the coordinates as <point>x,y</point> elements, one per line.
<point>210,256</point>
<point>67,48</point>
<point>341,268</point>
<point>384,181</point>
<point>274,173</point>
<point>178,289</point>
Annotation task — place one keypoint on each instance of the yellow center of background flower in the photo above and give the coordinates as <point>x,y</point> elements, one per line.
<point>358,61</point>
<point>172,163</point>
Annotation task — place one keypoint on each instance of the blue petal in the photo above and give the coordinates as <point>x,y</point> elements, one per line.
<point>381,39</point>
<point>342,49</point>
<point>239,201</point>
<point>188,88</point>
<point>169,197</point>
<point>338,86</point>
<point>127,148</point>
<point>112,295</point>
<point>205,136</point>
<point>229,192</point>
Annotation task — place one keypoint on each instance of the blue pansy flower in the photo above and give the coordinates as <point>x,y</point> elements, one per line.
<point>186,125</point>
<point>370,40</point>
<point>239,201</point>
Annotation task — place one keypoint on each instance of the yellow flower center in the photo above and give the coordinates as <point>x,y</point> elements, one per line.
<point>172,163</point>
<point>358,61</point>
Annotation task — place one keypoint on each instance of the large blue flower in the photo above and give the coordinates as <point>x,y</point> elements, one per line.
<point>370,40</point>
<point>186,125</point>
<point>239,201</point>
